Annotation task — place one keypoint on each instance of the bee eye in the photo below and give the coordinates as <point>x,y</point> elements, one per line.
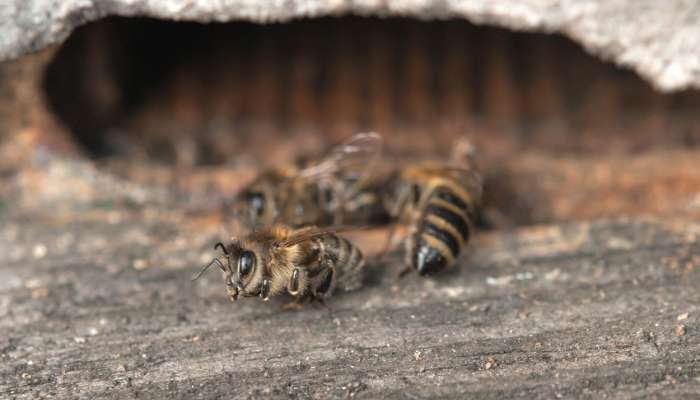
<point>246,264</point>
<point>257,203</point>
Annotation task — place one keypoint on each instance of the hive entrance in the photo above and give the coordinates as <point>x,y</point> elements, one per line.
<point>190,95</point>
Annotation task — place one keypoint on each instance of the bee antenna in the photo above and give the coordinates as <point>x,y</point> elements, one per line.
<point>223,248</point>
<point>206,267</point>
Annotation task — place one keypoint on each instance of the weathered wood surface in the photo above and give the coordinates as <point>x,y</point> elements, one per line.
<point>105,309</point>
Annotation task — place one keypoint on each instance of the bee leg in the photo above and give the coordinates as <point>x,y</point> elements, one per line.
<point>408,251</point>
<point>381,256</point>
<point>320,299</point>
<point>293,286</point>
<point>405,271</point>
<point>322,302</point>
<point>296,304</point>
<point>265,290</point>
<point>324,287</point>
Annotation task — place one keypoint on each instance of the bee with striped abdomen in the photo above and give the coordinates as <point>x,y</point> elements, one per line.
<point>307,263</point>
<point>327,192</point>
<point>439,202</point>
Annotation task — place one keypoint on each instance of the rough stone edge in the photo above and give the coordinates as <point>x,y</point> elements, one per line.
<point>664,52</point>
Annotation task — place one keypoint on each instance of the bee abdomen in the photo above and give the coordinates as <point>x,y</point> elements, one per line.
<point>349,264</point>
<point>443,230</point>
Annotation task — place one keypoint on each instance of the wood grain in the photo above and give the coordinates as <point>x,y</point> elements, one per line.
<point>91,309</point>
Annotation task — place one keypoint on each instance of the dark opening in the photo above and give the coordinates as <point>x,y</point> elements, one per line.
<point>187,94</point>
<point>192,93</point>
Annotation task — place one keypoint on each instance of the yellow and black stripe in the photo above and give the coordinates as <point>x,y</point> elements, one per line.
<point>341,264</point>
<point>443,229</point>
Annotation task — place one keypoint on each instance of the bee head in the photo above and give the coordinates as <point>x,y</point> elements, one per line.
<point>251,207</point>
<point>241,272</point>
<point>239,267</point>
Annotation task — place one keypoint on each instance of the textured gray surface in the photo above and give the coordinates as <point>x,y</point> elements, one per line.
<point>658,39</point>
<point>92,309</point>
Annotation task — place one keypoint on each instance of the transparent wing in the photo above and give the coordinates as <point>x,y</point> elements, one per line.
<point>352,159</point>
<point>345,169</point>
<point>304,234</point>
<point>472,178</point>
<point>464,159</point>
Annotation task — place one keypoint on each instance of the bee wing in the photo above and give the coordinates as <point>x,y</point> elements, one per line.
<point>352,159</point>
<point>304,234</point>
<point>475,183</point>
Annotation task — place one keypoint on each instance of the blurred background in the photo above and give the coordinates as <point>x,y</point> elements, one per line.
<point>196,110</point>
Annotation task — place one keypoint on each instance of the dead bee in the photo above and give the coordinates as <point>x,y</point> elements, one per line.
<point>439,202</point>
<point>323,193</point>
<point>307,263</point>
<point>365,204</point>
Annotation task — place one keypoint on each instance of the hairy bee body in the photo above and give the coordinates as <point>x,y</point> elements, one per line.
<point>327,191</point>
<point>307,263</point>
<point>439,202</point>
<point>345,258</point>
<point>280,195</point>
